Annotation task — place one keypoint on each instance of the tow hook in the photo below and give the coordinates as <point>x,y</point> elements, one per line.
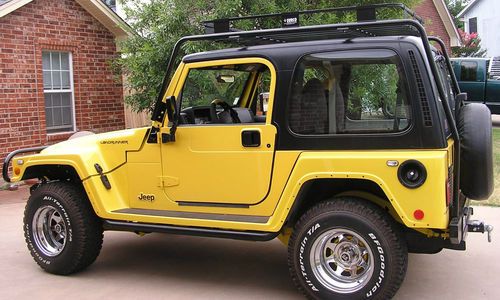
<point>479,226</point>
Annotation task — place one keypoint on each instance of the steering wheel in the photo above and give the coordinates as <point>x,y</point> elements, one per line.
<point>218,118</point>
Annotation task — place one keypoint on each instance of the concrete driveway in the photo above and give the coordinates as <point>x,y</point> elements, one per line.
<point>176,267</point>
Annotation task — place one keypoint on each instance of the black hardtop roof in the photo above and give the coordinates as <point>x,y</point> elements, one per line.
<point>277,51</point>
<point>314,34</point>
<point>367,26</point>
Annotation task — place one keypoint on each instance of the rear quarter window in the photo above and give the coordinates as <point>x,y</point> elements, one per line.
<point>349,92</point>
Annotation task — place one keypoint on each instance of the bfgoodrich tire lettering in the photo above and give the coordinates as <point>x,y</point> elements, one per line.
<point>347,249</point>
<point>61,230</point>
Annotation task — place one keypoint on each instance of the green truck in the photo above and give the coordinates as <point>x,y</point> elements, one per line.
<point>480,79</point>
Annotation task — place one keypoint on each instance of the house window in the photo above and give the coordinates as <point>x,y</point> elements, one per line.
<point>58,91</point>
<point>472,25</point>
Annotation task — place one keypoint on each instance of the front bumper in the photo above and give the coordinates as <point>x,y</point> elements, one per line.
<point>10,156</point>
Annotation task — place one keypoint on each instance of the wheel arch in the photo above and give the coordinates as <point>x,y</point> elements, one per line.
<point>58,172</point>
<point>317,190</point>
<point>52,172</point>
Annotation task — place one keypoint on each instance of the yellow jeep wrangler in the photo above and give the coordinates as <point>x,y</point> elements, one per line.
<point>350,142</point>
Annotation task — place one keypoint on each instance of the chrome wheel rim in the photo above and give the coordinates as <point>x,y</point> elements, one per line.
<point>49,230</point>
<point>341,260</point>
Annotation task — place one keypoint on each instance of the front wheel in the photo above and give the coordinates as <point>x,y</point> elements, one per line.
<point>62,231</point>
<point>347,248</point>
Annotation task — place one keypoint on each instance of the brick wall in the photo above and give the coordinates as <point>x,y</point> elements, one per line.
<point>60,25</point>
<point>432,22</point>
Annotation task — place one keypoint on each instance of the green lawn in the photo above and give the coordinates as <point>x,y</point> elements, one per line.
<point>494,200</point>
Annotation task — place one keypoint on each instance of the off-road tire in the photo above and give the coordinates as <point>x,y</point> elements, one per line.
<point>476,152</point>
<point>68,204</point>
<point>371,226</point>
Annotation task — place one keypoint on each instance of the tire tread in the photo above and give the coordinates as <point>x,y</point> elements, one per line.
<point>83,220</point>
<point>374,215</point>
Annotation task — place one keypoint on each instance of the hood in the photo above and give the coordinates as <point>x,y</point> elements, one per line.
<point>109,149</point>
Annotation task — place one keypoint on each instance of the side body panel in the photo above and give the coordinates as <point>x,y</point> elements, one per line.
<point>430,197</point>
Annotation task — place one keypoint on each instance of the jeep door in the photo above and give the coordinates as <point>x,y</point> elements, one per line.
<point>224,147</point>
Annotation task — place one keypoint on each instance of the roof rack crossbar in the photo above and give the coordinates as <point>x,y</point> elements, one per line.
<point>292,19</point>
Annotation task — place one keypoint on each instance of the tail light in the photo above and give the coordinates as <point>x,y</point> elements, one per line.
<point>449,186</point>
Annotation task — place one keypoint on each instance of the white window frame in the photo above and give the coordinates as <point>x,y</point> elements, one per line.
<point>70,90</point>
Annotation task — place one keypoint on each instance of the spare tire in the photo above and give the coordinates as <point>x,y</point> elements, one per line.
<point>476,154</point>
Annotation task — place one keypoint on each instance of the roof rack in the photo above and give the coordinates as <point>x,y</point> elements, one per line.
<point>293,19</point>
<point>367,25</point>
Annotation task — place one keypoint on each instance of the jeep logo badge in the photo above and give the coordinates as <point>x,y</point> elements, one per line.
<point>146,197</point>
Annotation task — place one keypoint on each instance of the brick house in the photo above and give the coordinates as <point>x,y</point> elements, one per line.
<point>438,22</point>
<point>55,77</point>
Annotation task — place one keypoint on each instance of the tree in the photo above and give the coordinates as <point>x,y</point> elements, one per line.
<point>160,23</point>
<point>455,7</point>
<point>471,45</point>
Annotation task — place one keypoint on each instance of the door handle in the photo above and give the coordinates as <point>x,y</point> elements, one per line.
<point>250,138</point>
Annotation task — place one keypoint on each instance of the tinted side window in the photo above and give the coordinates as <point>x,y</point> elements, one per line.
<point>349,92</point>
<point>468,71</point>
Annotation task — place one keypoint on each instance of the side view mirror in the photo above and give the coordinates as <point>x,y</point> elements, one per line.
<point>173,118</point>
<point>169,107</point>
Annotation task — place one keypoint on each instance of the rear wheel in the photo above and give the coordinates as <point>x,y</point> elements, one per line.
<point>347,248</point>
<point>61,230</point>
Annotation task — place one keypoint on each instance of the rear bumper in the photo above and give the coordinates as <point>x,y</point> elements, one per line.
<point>458,227</point>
